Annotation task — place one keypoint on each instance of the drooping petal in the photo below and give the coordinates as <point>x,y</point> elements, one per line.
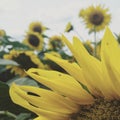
<point>62,83</point>
<point>52,100</point>
<point>20,97</point>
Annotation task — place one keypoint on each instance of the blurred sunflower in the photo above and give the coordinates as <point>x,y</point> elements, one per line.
<point>34,41</point>
<point>2,33</point>
<point>91,91</point>
<point>95,17</point>
<point>25,59</point>
<point>37,27</point>
<point>55,42</point>
<point>69,27</point>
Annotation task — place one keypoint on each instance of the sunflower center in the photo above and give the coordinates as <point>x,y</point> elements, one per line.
<point>100,110</point>
<point>37,29</point>
<point>96,18</point>
<point>34,40</point>
<point>24,61</point>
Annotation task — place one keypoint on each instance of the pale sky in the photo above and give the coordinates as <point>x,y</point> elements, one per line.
<point>15,15</point>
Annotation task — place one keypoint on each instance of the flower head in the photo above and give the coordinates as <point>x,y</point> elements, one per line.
<point>95,17</point>
<point>25,59</point>
<point>37,27</point>
<point>34,40</point>
<point>55,42</point>
<point>91,89</point>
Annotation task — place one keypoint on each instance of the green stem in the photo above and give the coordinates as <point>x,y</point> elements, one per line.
<point>8,114</point>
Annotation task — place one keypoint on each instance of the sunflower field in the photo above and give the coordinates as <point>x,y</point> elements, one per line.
<point>46,77</point>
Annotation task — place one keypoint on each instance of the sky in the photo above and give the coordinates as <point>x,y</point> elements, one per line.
<point>16,15</point>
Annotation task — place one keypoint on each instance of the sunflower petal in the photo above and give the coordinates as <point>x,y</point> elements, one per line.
<point>92,70</point>
<point>76,71</point>
<point>110,52</point>
<point>42,118</point>
<point>52,100</point>
<point>61,83</point>
<point>70,46</point>
<point>19,97</point>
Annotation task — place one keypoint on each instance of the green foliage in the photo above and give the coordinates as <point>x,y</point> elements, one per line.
<point>23,116</point>
<point>6,41</point>
<point>23,81</point>
<point>8,62</point>
<point>9,110</point>
<point>6,103</point>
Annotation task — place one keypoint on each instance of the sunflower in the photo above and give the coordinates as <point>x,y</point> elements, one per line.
<point>37,27</point>
<point>25,59</point>
<point>55,42</point>
<point>91,91</point>
<point>69,27</point>
<point>95,17</point>
<point>34,40</point>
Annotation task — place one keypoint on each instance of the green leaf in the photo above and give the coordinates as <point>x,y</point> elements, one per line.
<point>15,44</point>
<point>6,103</point>
<point>91,31</point>
<point>8,62</point>
<point>23,81</point>
<point>5,117</point>
<point>2,53</point>
<point>45,36</point>
<point>6,74</point>
<point>23,116</point>
<point>19,45</point>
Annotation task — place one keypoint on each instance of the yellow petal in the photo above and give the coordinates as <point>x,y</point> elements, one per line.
<point>92,69</point>
<point>46,118</point>
<point>70,46</point>
<point>72,68</point>
<point>43,118</point>
<point>61,83</point>
<point>110,52</point>
<point>18,97</point>
<point>52,100</point>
